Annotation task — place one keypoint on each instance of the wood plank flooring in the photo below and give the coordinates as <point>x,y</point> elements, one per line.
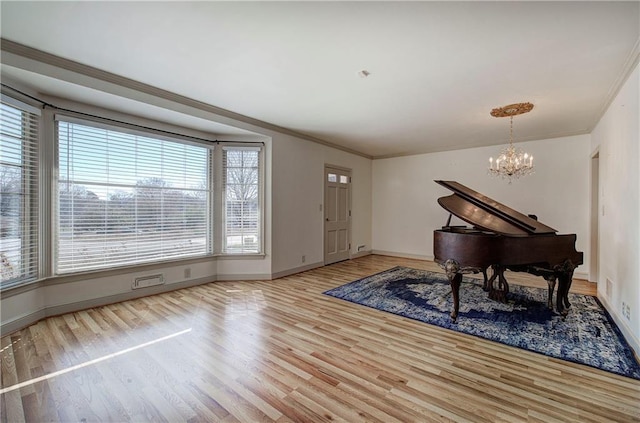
<point>280,351</point>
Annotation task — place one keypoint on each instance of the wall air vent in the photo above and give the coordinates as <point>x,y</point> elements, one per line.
<point>147,281</point>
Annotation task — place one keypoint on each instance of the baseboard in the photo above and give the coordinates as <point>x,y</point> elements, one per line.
<point>55,310</point>
<point>244,277</point>
<point>402,255</point>
<point>633,342</point>
<point>361,254</point>
<point>581,275</point>
<point>295,270</point>
<point>315,265</point>
<point>21,322</point>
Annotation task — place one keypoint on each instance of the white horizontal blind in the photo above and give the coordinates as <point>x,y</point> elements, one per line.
<point>126,199</point>
<point>18,193</point>
<point>241,184</point>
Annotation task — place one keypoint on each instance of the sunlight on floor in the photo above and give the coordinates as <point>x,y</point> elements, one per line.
<point>90,362</point>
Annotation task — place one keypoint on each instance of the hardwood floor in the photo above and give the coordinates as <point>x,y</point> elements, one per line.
<point>281,351</point>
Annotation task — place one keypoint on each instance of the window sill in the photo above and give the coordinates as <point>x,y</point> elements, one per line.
<point>236,256</point>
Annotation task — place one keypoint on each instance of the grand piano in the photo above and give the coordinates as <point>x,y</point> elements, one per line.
<point>501,239</point>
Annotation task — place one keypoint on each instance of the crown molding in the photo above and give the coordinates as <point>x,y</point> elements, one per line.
<point>43,63</point>
<point>549,136</point>
<point>629,65</point>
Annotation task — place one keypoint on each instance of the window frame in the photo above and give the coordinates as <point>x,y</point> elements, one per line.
<point>260,203</point>
<point>30,181</point>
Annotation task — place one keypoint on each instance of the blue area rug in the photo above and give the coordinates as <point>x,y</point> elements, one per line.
<point>587,335</point>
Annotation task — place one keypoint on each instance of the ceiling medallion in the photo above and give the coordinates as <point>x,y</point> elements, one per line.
<point>511,163</point>
<point>512,110</point>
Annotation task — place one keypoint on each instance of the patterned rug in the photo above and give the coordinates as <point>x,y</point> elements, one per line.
<point>587,335</point>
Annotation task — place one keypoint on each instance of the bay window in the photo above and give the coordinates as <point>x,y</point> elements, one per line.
<point>122,195</point>
<point>127,197</point>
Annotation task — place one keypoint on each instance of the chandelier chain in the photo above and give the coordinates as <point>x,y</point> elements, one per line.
<point>511,131</point>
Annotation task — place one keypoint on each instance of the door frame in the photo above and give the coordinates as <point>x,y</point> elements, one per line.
<point>594,250</point>
<point>326,169</point>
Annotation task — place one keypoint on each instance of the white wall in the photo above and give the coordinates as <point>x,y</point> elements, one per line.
<point>298,193</point>
<point>406,211</point>
<point>617,137</point>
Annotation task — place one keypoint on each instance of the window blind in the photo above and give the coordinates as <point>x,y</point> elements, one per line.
<point>241,184</point>
<point>126,198</point>
<point>18,192</point>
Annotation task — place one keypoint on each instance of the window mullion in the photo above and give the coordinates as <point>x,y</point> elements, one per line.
<point>218,202</point>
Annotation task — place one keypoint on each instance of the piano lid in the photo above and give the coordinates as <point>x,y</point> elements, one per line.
<point>485,213</point>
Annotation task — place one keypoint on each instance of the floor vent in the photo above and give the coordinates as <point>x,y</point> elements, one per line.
<point>146,281</point>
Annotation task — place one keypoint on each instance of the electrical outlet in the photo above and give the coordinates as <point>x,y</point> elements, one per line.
<point>626,310</point>
<point>187,272</point>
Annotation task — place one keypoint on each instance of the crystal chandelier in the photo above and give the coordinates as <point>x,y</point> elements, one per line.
<point>512,163</point>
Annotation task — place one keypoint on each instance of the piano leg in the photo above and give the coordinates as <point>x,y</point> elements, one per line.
<point>562,274</point>
<point>565,277</point>
<point>503,285</point>
<point>564,284</point>
<point>455,290</point>
<point>452,269</point>
<point>485,281</point>
<point>563,290</point>
<point>551,281</point>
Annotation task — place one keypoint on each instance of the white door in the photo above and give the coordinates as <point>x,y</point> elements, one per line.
<point>337,214</point>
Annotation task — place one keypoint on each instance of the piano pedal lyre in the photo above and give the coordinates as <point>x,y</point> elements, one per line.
<point>500,292</point>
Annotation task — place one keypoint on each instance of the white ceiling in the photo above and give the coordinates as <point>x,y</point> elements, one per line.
<point>436,68</point>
